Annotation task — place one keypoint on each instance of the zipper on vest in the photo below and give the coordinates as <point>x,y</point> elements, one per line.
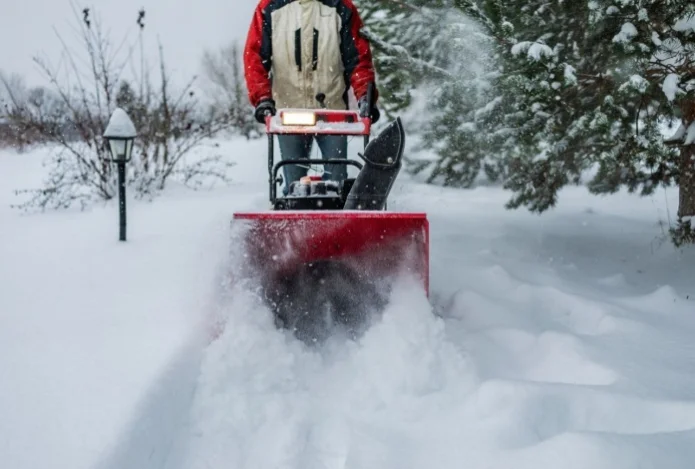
<point>315,58</point>
<point>298,48</point>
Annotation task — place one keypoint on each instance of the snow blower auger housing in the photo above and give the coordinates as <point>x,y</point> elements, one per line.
<point>325,253</point>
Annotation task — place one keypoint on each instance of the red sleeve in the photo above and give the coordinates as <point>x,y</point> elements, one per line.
<point>257,54</point>
<point>357,53</point>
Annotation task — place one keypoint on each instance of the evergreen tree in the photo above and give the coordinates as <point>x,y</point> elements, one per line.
<point>410,41</point>
<point>657,39</point>
<point>466,109</point>
<point>436,46</point>
<point>557,88</point>
<point>628,69</point>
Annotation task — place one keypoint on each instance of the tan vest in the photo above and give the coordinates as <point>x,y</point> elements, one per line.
<point>317,29</point>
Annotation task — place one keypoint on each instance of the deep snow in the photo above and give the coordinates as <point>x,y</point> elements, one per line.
<point>560,340</point>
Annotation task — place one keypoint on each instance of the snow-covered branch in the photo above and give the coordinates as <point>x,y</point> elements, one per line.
<point>401,54</point>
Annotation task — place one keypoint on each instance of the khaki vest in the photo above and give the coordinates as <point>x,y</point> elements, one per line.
<point>303,31</point>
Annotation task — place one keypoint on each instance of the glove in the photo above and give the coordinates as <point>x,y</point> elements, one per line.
<point>374,113</point>
<point>265,106</point>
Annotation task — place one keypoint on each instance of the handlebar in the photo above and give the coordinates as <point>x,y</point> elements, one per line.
<point>325,122</point>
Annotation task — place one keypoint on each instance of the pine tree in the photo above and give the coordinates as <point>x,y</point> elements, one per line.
<point>558,75</point>
<point>628,68</point>
<point>467,109</point>
<point>436,46</point>
<point>560,87</point>
<point>410,42</point>
<point>659,38</point>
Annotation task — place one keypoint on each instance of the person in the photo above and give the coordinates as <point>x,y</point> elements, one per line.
<point>308,54</point>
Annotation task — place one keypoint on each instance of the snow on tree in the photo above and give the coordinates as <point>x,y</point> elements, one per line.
<point>653,65</point>
<point>559,73</point>
<point>436,46</point>
<point>410,42</point>
<point>468,109</point>
<point>568,86</point>
<point>600,79</point>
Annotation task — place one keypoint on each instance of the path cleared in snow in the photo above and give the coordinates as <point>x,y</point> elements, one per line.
<point>564,339</point>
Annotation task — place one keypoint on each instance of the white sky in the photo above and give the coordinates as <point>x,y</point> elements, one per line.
<point>185,28</point>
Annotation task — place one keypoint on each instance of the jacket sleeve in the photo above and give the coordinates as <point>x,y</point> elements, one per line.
<point>356,52</point>
<point>257,55</point>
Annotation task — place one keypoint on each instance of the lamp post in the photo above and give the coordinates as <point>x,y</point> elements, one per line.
<point>120,133</point>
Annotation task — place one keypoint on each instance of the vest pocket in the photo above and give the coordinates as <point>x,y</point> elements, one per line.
<point>298,48</point>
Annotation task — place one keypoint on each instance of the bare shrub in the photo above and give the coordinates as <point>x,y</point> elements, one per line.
<point>225,87</point>
<point>85,92</point>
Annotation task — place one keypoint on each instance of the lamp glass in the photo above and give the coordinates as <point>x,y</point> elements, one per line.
<point>128,148</point>
<point>118,148</point>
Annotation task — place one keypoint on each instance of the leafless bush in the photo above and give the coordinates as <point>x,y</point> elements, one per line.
<point>226,88</point>
<point>84,95</point>
<point>13,90</point>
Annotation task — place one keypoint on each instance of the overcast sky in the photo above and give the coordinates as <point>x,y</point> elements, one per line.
<point>185,28</point>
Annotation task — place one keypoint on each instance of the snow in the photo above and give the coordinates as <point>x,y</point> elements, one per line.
<point>626,34</point>
<point>690,134</point>
<point>534,50</point>
<point>670,86</point>
<point>686,24</point>
<point>564,339</point>
<point>570,75</point>
<point>120,125</point>
<point>637,82</point>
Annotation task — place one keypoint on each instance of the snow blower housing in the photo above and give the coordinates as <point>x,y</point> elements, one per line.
<point>332,244</point>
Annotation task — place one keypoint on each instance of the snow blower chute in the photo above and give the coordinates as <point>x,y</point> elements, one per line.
<point>328,249</point>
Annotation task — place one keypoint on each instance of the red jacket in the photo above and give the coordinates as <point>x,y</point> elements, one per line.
<point>296,49</point>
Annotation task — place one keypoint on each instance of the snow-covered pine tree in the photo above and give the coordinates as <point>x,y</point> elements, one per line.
<point>469,108</point>
<point>654,59</point>
<point>593,83</point>
<point>577,85</point>
<point>409,45</point>
<point>493,116</point>
<point>437,46</point>
<point>553,125</point>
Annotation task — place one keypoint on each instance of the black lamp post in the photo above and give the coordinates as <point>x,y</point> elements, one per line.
<point>120,133</point>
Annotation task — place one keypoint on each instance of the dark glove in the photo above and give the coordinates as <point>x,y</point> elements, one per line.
<point>372,113</point>
<point>266,106</point>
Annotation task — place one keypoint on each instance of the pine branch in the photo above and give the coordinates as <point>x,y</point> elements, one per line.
<point>401,54</point>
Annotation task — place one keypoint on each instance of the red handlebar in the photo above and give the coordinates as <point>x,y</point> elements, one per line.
<point>328,122</point>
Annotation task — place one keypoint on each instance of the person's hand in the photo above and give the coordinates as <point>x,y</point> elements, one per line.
<point>265,107</point>
<point>372,113</point>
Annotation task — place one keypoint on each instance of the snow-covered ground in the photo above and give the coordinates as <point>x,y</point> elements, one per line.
<point>564,340</point>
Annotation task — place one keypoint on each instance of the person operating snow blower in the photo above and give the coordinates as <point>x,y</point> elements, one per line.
<point>308,54</point>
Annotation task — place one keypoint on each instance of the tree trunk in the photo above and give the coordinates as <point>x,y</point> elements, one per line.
<point>686,206</point>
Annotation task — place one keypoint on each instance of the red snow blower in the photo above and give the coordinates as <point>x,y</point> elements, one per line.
<point>326,253</point>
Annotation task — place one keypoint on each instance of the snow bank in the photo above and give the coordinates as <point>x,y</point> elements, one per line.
<point>90,326</point>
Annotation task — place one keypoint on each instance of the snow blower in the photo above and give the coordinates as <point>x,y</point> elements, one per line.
<point>326,253</point>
